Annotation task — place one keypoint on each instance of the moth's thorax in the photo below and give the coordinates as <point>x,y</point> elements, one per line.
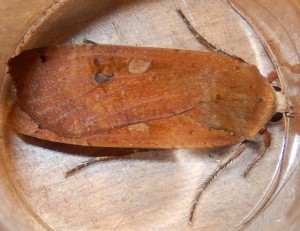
<point>283,103</point>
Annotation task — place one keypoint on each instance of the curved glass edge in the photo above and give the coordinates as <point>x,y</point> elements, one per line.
<point>279,36</point>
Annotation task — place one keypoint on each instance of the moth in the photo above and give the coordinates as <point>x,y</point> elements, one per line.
<point>123,96</point>
<point>116,96</point>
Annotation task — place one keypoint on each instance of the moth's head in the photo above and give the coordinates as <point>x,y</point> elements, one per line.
<point>283,105</point>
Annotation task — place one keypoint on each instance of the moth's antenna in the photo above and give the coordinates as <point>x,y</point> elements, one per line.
<point>272,188</point>
<point>202,40</point>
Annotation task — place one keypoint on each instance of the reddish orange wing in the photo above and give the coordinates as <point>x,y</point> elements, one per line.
<point>122,96</point>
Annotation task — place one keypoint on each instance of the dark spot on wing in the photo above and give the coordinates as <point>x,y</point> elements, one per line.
<point>97,62</point>
<point>101,78</point>
<point>218,97</point>
<point>43,58</point>
<point>259,100</point>
<point>40,126</point>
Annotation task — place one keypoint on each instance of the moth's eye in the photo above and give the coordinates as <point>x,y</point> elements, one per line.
<point>276,88</point>
<point>277,117</point>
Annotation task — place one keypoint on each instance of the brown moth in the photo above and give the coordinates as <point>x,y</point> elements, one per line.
<point>122,96</point>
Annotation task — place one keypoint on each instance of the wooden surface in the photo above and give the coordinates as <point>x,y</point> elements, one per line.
<point>153,190</point>
<point>15,17</point>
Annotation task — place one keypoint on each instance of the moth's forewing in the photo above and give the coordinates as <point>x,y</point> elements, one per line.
<point>123,96</point>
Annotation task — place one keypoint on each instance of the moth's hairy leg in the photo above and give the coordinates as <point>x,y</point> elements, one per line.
<point>267,143</point>
<point>205,184</point>
<point>128,154</point>
<point>87,41</point>
<point>87,163</point>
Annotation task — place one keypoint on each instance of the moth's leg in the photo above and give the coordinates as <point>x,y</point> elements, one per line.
<point>267,143</point>
<point>89,162</point>
<point>200,190</point>
<point>94,160</point>
<point>272,76</point>
<point>87,41</point>
<point>202,40</point>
